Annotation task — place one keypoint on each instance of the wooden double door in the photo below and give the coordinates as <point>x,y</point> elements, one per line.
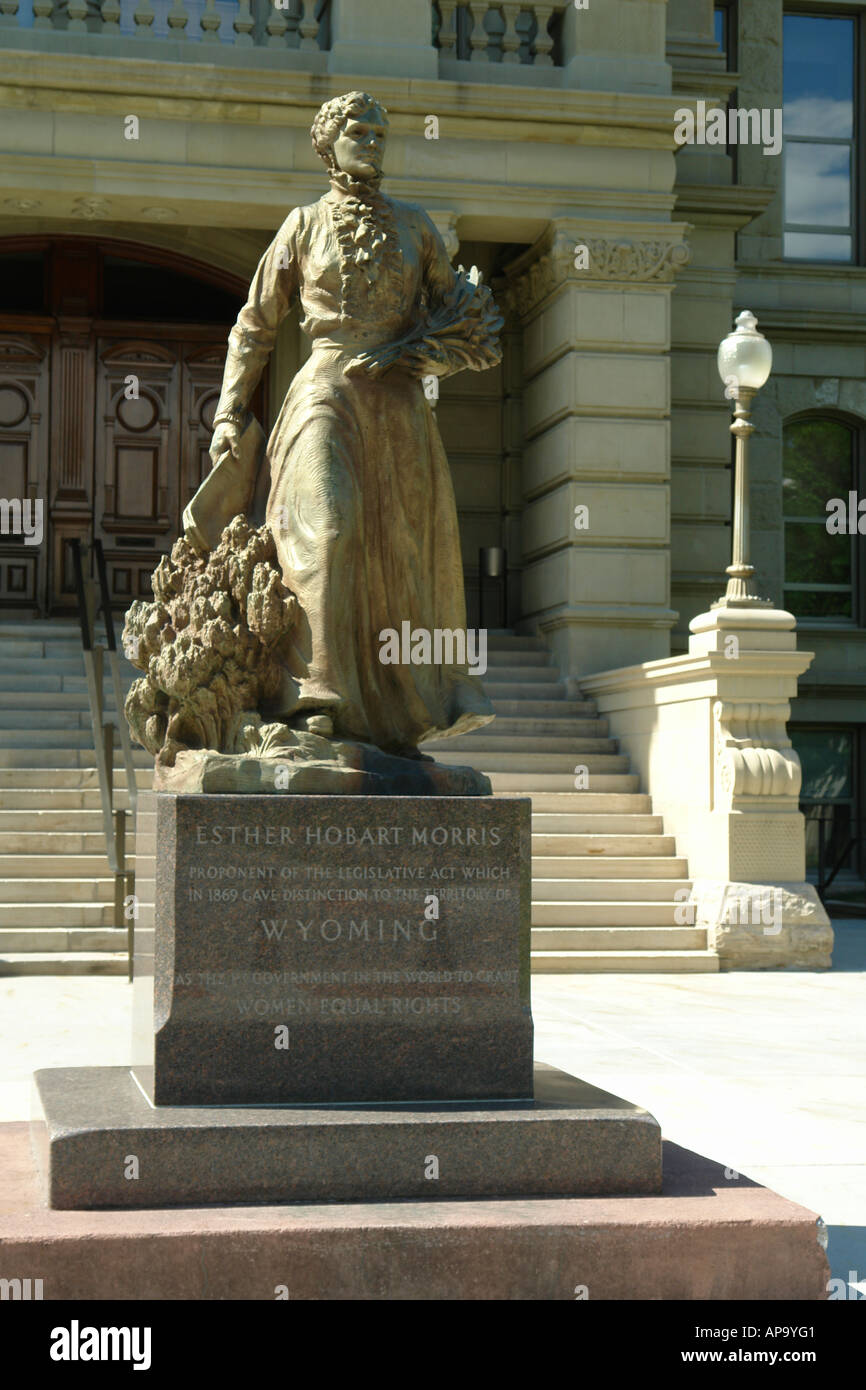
<point>107,426</point>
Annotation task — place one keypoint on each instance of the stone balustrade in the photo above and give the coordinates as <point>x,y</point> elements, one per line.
<point>480,32</point>
<point>301,25</point>
<point>508,42</point>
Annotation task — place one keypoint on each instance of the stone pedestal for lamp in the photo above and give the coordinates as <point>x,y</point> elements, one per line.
<point>707,733</point>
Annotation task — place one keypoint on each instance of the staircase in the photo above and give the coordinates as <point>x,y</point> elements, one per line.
<point>56,888</point>
<point>604,874</point>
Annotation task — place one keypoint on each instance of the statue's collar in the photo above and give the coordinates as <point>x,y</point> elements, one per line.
<point>344,186</point>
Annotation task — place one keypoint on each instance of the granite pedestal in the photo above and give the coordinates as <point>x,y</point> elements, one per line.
<point>99,1143</point>
<point>333,1004</point>
<point>323,949</point>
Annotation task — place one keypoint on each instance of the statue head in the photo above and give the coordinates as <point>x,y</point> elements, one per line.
<point>349,134</point>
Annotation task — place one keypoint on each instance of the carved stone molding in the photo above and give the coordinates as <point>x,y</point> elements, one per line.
<point>570,252</point>
<point>753,756</point>
<point>91,208</point>
<point>21,205</point>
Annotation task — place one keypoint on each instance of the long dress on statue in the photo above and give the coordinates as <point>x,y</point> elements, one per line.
<point>361,502</point>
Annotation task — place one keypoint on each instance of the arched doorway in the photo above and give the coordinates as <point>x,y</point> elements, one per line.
<point>111,358</point>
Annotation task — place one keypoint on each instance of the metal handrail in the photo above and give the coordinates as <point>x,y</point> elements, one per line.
<point>93,597</point>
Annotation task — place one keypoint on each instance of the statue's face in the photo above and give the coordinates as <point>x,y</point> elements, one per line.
<point>360,147</point>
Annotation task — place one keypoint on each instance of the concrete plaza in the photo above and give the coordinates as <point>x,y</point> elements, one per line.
<point>763,1071</point>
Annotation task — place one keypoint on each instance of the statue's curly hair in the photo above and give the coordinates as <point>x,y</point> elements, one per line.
<point>333,116</point>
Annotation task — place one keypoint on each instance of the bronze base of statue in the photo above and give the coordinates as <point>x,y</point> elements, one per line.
<point>304,762</point>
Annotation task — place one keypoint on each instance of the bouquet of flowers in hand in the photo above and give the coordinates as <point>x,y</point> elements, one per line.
<point>462,331</point>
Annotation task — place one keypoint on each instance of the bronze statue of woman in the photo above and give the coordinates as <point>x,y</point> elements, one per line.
<point>361,503</point>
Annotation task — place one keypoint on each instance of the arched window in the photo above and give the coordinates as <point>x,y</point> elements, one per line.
<point>823,462</point>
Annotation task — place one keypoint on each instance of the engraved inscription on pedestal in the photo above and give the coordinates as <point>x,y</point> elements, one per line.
<point>332,949</point>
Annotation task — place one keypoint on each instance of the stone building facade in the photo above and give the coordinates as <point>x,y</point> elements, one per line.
<point>148,152</point>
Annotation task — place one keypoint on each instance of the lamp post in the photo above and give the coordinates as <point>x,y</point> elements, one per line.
<point>745,359</point>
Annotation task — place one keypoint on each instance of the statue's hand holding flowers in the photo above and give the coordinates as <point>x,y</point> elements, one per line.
<point>461,332</point>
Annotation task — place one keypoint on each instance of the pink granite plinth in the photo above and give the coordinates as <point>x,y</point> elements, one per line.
<point>703,1238</point>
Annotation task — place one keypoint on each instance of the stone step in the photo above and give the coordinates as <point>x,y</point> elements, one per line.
<point>21,665</point>
<point>28,699</point>
<point>538,668</point>
<point>65,866</point>
<point>34,681</point>
<point>516,688</point>
<point>533,763</point>
<point>74,732</point>
<point>550,873</point>
<point>34,800</point>
<point>481,744</point>
<point>536,727</point>
<point>32,915</point>
<point>624,962</point>
<point>544,709</point>
<point>42,629</point>
<point>592,844</point>
<point>585,912</point>
<point>581,803</point>
<point>561,824</point>
<point>616,890</point>
<point>29,647</point>
<point>62,758</point>
<point>34,820</point>
<point>64,963</point>
<point>28,778</point>
<point>619,939</point>
<point>43,939</point>
<point>505,639</point>
<point>514,657</point>
<point>37,683</point>
<point>45,844</point>
<point>56,648</point>
<point>77,684</point>
<point>522,783</point>
<point>51,722</point>
<point>56,890</point>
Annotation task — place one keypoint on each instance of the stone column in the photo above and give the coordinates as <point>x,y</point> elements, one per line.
<point>390,38</point>
<point>594,303</point>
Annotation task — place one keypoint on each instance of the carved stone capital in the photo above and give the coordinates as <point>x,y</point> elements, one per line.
<point>575,252</point>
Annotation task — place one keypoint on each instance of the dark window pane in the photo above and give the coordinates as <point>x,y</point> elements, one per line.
<point>135,290</point>
<point>818,185</point>
<point>22,283</point>
<point>815,246</point>
<point>837,838</point>
<point>817,464</point>
<point>812,556</point>
<point>827,759</point>
<point>818,76</point>
<point>719,17</point>
<point>807,603</point>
